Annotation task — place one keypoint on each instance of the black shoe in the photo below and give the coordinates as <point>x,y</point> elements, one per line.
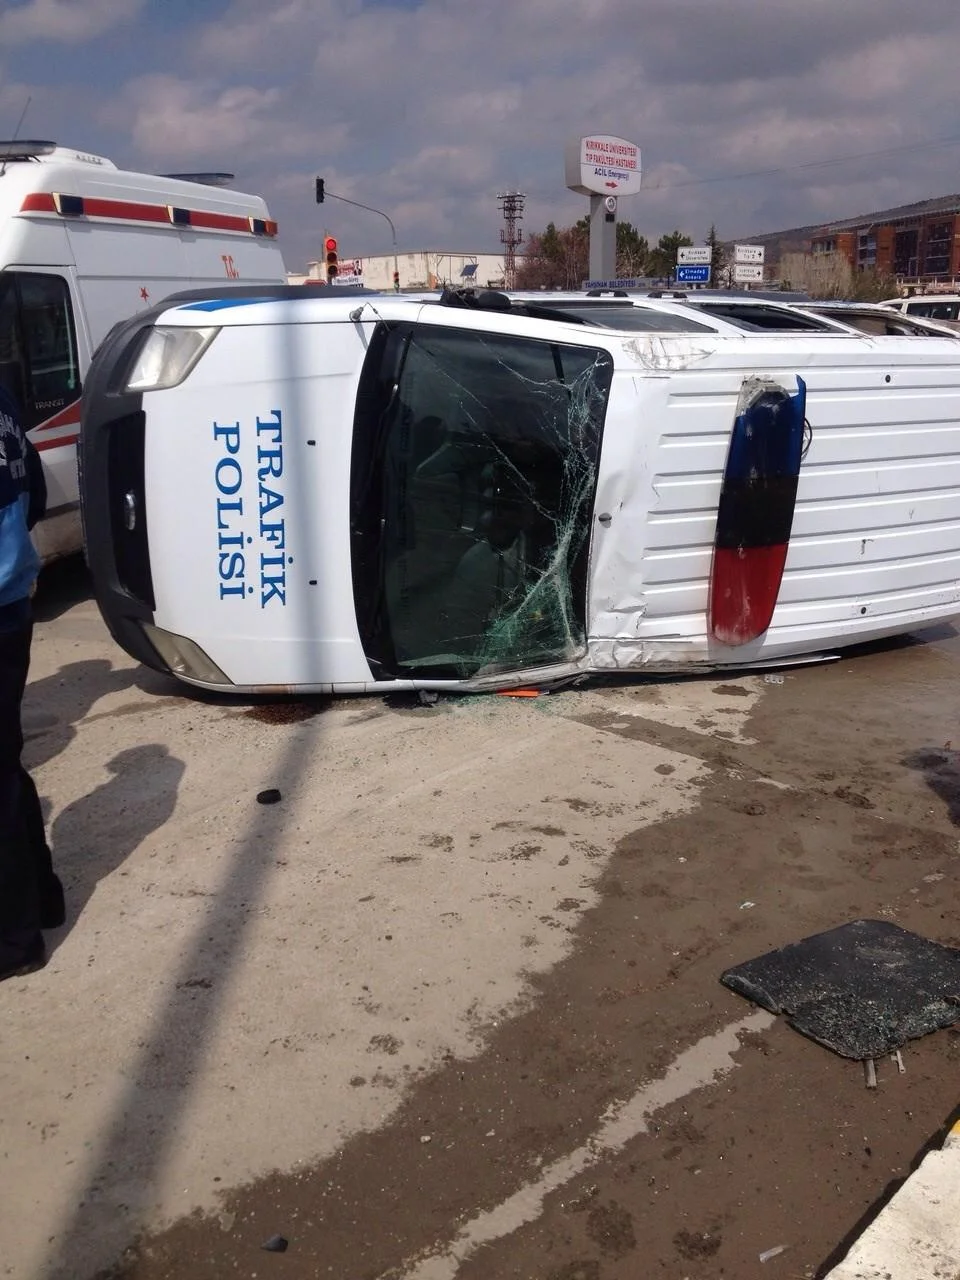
<point>53,911</point>
<point>18,957</point>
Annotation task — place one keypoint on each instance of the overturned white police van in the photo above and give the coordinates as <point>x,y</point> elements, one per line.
<point>356,492</point>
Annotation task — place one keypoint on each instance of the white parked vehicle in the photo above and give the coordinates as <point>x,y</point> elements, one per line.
<point>84,245</point>
<point>749,311</point>
<point>942,307</point>
<point>873,317</point>
<point>294,493</point>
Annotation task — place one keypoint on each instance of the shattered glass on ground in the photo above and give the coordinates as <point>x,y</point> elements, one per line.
<point>862,990</point>
<point>482,467</point>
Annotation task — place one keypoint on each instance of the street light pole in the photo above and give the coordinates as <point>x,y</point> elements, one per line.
<point>370,209</point>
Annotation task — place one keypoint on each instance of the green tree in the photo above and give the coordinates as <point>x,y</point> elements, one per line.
<point>633,250</point>
<point>663,260</point>
<point>550,243</point>
<point>558,258</point>
<point>871,285</point>
<point>720,267</point>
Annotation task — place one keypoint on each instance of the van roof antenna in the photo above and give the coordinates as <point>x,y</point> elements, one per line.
<point>16,132</point>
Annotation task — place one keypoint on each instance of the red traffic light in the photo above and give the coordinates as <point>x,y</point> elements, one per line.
<point>330,253</point>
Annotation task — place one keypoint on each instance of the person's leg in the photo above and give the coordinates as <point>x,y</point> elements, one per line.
<point>21,943</point>
<point>52,909</point>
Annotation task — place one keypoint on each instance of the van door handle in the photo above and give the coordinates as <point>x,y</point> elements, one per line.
<point>130,510</point>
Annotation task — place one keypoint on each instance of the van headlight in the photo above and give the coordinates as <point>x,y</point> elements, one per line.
<point>166,357</point>
<point>183,657</point>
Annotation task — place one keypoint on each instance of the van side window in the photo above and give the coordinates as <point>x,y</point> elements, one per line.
<point>11,350</point>
<point>934,310</point>
<point>38,347</point>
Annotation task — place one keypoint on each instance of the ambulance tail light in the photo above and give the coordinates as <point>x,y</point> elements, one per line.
<point>166,357</point>
<point>183,657</point>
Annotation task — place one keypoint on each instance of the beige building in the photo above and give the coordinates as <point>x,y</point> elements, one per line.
<point>423,269</point>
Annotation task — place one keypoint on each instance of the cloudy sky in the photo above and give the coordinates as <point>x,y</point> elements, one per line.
<point>427,108</point>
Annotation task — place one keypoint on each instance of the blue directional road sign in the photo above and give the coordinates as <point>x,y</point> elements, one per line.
<point>693,275</point>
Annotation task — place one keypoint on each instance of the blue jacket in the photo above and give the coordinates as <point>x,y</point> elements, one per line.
<point>22,500</point>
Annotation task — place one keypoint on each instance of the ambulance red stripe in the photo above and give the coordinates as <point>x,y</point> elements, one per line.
<point>218,221</point>
<point>93,207</point>
<point>58,442</point>
<point>131,211</point>
<point>66,417</point>
<point>38,202</point>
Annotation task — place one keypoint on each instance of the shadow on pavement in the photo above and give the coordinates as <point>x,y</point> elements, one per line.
<point>61,585</point>
<point>54,705</point>
<point>941,772</point>
<point>149,1116</point>
<point>94,836</point>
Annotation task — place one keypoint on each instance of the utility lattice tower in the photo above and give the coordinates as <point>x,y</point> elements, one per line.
<point>511,205</point>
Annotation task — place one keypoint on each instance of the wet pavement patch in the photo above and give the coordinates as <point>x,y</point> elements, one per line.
<point>281,713</point>
<point>610,1226</point>
<point>862,990</point>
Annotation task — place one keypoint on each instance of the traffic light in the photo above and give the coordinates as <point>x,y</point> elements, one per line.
<point>396,281</point>
<point>320,192</point>
<point>330,256</point>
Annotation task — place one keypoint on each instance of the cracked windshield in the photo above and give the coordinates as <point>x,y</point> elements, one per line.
<point>473,475</point>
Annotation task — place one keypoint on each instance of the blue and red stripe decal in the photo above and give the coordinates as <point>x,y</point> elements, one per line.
<point>755,513</point>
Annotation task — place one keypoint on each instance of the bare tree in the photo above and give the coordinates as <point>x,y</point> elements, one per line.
<point>555,259</point>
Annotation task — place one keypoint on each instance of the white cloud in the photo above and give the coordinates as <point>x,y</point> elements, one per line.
<point>68,21</point>
<point>174,119</point>
<point>254,31</point>
<point>427,110</point>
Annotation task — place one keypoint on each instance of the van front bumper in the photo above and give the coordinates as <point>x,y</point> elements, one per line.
<point>113,496</point>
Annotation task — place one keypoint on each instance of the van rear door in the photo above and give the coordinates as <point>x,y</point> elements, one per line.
<point>42,352</point>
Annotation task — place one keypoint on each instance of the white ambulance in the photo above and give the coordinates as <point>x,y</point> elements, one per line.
<point>84,245</point>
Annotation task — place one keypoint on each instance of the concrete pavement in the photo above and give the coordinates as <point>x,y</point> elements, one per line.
<point>492,927</point>
<point>222,957</point>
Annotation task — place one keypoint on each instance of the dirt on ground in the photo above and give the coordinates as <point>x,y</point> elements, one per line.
<point>837,800</point>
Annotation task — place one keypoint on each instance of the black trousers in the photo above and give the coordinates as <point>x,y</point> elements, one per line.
<point>26,870</point>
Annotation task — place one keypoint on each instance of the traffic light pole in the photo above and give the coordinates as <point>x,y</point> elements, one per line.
<point>370,209</point>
